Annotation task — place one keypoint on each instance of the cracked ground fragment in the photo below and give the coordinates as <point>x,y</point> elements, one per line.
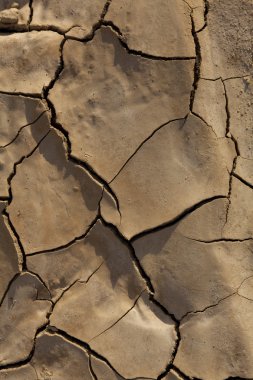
<point>16,112</point>
<point>117,104</point>
<point>54,358</point>
<point>47,181</point>
<point>210,105</point>
<point>186,165</point>
<point>198,13</point>
<point>65,15</point>
<point>25,372</point>
<point>244,169</point>
<point>173,375</point>
<point>226,44</point>
<point>102,371</point>
<point>162,29</point>
<point>239,217</point>
<point>149,139</point>
<point>240,102</point>
<point>78,262</point>
<point>38,58</point>
<point>25,138</point>
<point>188,274</point>
<point>14,15</point>
<point>24,310</point>
<point>119,310</point>
<point>8,253</point>
<point>145,325</point>
<point>217,344</point>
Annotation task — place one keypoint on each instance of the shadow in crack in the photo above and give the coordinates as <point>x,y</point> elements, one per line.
<point>54,152</point>
<point>189,275</point>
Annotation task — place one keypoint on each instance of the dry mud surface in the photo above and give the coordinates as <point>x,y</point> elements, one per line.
<point>126,189</point>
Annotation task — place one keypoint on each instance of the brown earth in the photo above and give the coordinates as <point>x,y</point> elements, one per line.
<point>126,189</point>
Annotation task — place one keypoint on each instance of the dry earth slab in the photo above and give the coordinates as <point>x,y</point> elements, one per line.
<point>181,165</point>
<point>210,105</point>
<point>24,310</point>
<point>120,313</point>
<point>54,358</point>
<point>14,15</point>
<point>38,58</point>
<point>8,252</point>
<point>117,104</point>
<point>65,15</point>
<point>162,30</point>
<point>226,43</point>
<point>26,123</point>
<point>240,103</point>
<point>217,343</point>
<point>190,266</point>
<point>47,181</point>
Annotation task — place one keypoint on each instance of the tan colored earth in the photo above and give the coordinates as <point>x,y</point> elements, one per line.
<point>126,190</point>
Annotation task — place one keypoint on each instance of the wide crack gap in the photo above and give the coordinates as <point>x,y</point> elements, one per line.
<point>150,290</point>
<point>31,13</point>
<point>119,34</point>
<point>92,372</point>
<point>206,10</point>
<point>204,121</point>
<point>229,136</point>
<point>181,374</point>
<point>105,9</point>
<point>140,53</point>
<point>197,64</point>
<point>178,218</point>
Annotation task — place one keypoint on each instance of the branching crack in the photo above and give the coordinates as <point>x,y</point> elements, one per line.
<point>139,52</point>
<point>144,141</point>
<point>118,320</point>
<point>56,125</point>
<point>236,292</point>
<point>19,131</point>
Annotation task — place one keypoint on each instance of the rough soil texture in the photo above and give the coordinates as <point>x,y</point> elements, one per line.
<point>126,190</point>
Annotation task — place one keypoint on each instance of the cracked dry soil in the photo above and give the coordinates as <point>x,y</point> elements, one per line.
<point>126,189</point>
